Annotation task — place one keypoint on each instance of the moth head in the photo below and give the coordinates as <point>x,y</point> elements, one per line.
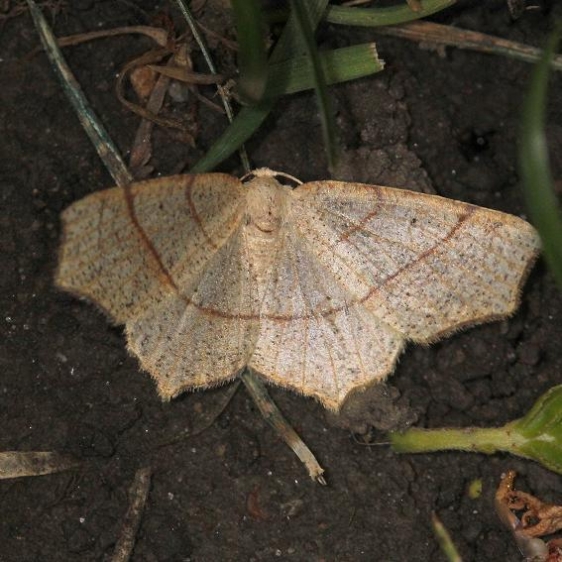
<point>266,203</point>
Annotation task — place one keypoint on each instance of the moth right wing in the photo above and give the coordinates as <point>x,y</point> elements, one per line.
<point>422,264</point>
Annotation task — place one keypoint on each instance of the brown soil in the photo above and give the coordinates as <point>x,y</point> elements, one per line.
<point>234,492</point>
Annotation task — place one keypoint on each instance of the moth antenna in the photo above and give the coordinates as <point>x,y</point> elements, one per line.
<point>267,173</point>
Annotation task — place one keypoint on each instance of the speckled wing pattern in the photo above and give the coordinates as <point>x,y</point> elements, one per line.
<point>314,336</point>
<point>354,272</point>
<point>154,257</point>
<point>369,268</point>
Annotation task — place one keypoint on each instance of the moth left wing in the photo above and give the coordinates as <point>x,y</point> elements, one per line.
<point>202,337</point>
<point>128,248</point>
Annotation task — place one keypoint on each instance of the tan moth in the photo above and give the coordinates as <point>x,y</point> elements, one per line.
<point>316,288</point>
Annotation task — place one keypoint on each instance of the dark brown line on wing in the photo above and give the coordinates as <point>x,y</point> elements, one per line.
<point>195,214</point>
<point>359,225</point>
<point>462,219</point>
<point>284,318</point>
<point>164,276</point>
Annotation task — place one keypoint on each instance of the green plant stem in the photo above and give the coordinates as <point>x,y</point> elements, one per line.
<point>368,17</point>
<point>252,54</point>
<point>251,117</point>
<point>322,99</point>
<point>536,436</point>
<point>247,121</point>
<point>473,439</point>
<point>541,199</point>
<point>444,538</point>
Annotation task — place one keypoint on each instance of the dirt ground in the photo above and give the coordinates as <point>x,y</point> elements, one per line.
<point>441,120</point>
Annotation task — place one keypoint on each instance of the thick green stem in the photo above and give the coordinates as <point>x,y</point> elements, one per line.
<point>536,436</point>
<point>474,439</point>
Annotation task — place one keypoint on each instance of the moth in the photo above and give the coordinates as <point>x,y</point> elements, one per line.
<point>317,288</point>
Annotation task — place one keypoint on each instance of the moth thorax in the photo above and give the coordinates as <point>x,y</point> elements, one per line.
<point>266,204</point>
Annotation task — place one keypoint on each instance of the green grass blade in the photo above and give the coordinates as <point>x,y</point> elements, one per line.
<point>374,17</point>
<point>252,54</point>
<point>542,203</point>
<point>242,127</point>
<point>338,65</point>
<point>250,118</point>
<point>292,43</point>
<point>326,114</point>
<point>444,539</point>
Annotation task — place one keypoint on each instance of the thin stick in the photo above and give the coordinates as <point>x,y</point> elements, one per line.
<point>16,464</point>
<point>101,140</point>
<point>137,498</point>
<point>207,56</point>
<point>466,39</point>
<point>275,418</point>
<point>157,34</point>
